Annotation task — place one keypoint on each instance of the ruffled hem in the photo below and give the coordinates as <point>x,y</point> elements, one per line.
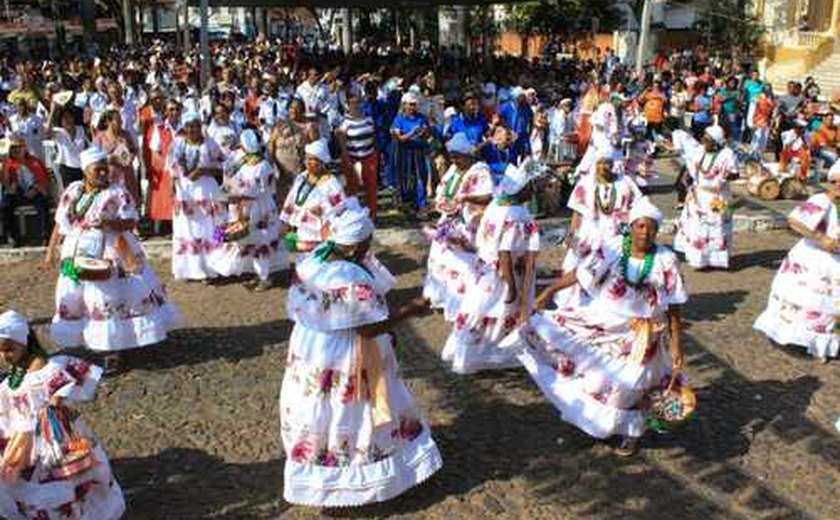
<point>468,359</point>
<point>780,331</point>
<point>578,407</point>
<point>441,297</point>
<point>697,258</point>
<point>231,262</point>
<point>192,267</point>
<point>357,485</point>
<point>116,334</point>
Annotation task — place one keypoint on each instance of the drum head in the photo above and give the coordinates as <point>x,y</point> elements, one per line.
<point>792,188</point>
<point>769,189</point>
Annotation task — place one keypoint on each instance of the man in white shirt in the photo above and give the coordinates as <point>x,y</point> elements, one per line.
<point>795,146</point>
<point>30,126</point>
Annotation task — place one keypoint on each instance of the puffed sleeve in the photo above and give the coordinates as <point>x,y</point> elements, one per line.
<point>812,213</point>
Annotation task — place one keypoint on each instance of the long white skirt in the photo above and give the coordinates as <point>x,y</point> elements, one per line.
<point>449,271</point>
<point>91,495</point>
<point>579,361</point>
<point>704,235</point>
<point>482,321</point>
<point>262,252</point>
<point>804,301</point>
<point>196,217</point>
<point>335,455</point>
<point>115,314</point>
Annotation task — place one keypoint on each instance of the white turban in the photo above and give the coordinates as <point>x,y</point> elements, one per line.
<point>91,156</point>
<point>249,141</point>
<point>515,92</point>
<point>515,179</point>
<point>459,144</point>
<point>409,97</point>
<point>14,326</point>
<point>716,133</point>
<point>645,208</point>
<point>319,149</point>
<point>191,116</point>
<point>352,224</point>
<point>834,171</point>
<point>450,112</point>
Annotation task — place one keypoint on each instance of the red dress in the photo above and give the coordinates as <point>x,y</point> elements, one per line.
<point>156,141</point>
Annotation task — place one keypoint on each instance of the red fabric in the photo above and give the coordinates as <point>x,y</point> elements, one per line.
<point>160,181</point>
<point>804,156</point>
<point>370,167</point>
<point>38,169</point>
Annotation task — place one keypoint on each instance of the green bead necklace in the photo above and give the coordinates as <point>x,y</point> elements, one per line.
<point>599,204</point>
<point>625,263</point>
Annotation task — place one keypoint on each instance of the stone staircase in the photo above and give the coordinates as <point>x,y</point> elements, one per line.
<point>827,73</point>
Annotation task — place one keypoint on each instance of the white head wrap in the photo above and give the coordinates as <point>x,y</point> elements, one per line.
<point>14,326</point>
<point>645,208</point>
<point>352,225</point>
<point>191,116</point>
<point>460,144</point>
<point>249,141</point>
<point>515,92</point>
<point>449,112</point>
<point>319,149</point>
<point>530,91</point>
<point>489,89</point>
<point>515,179</point>
<point>91,156</point>
<point>716,133</point>
<point>834,171</point>
<point>409,97</point>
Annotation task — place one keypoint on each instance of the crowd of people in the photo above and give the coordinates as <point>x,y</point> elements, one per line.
<point>279,164</point>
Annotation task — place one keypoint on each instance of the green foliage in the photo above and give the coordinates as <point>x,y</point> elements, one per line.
<point>728,23</point>
<point>561,16</point>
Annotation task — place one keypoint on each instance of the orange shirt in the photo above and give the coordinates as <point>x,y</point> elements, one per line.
<point>825,137</point>
<point>763,111</point>
<point>654,103</point>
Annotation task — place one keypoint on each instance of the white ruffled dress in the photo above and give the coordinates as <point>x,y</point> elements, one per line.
<point>804,304</point>
<point>704,230</point>
<point>93,494</point>
<point>197,212</point>
<point>586,359</point>
<point>123,312</point>
<point>449,266</point>
<point>337,454</point>
<point>483,318</point>
<point>306,209</point>
<point>263,250</point>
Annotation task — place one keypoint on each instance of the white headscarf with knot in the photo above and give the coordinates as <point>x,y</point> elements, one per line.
<point>644,208</point>
<point>14,326</point>
<point>515,179</point>
<point>834,171</point>
<point>91,156</point>
<point>319,149</point>
<point>351,224</point>
<point>249,141</point>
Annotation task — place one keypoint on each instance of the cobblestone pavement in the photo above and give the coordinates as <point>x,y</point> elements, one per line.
<point>192,428</point>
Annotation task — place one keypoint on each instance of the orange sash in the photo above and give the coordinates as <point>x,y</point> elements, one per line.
<point>368,371</point>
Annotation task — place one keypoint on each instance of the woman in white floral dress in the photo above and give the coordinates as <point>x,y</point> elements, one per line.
<point>804,304</point>
<point>501,294</point>
<point>704,232</point>
<point>596,362</point>
<point>129,308</point>
<point>195,163</point>
<point>600,207</point>
<point>34,484</point>
<point>350,428</point>
<point>314,193</point>
<point>463,193</point>
<point>250,183</point>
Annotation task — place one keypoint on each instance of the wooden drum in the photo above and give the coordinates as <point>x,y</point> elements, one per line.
<point>764,187</point>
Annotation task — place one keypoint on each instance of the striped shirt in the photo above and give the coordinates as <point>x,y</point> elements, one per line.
<point>361,136</point>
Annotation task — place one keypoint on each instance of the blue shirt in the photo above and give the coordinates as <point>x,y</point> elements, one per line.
<point>753,89</point>
<point>497,159</point>
<point>473,127</point>
<point>703,114</point>
<point>518,118</point>
<point>407,124</point>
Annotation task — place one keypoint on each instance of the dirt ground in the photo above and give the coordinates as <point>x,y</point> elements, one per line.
<point>192,428</point>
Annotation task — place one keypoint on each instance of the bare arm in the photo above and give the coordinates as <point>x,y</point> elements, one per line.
<point>413,308</point>
<point>53,245</point>
<point>506,268</point>
<point>675,325</point>
<point>525,289</point>
<point>565,281</point>
<point>820,239</point>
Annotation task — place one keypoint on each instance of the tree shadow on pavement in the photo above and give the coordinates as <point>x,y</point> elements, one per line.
<point>193,346</point>
<point>770,259</point>
<point>712,306</point>
<point>186,483</point>
<point>397,263</point>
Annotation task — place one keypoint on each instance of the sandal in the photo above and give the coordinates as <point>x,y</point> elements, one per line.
<point>628,447</point>
<point>112,365</point>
